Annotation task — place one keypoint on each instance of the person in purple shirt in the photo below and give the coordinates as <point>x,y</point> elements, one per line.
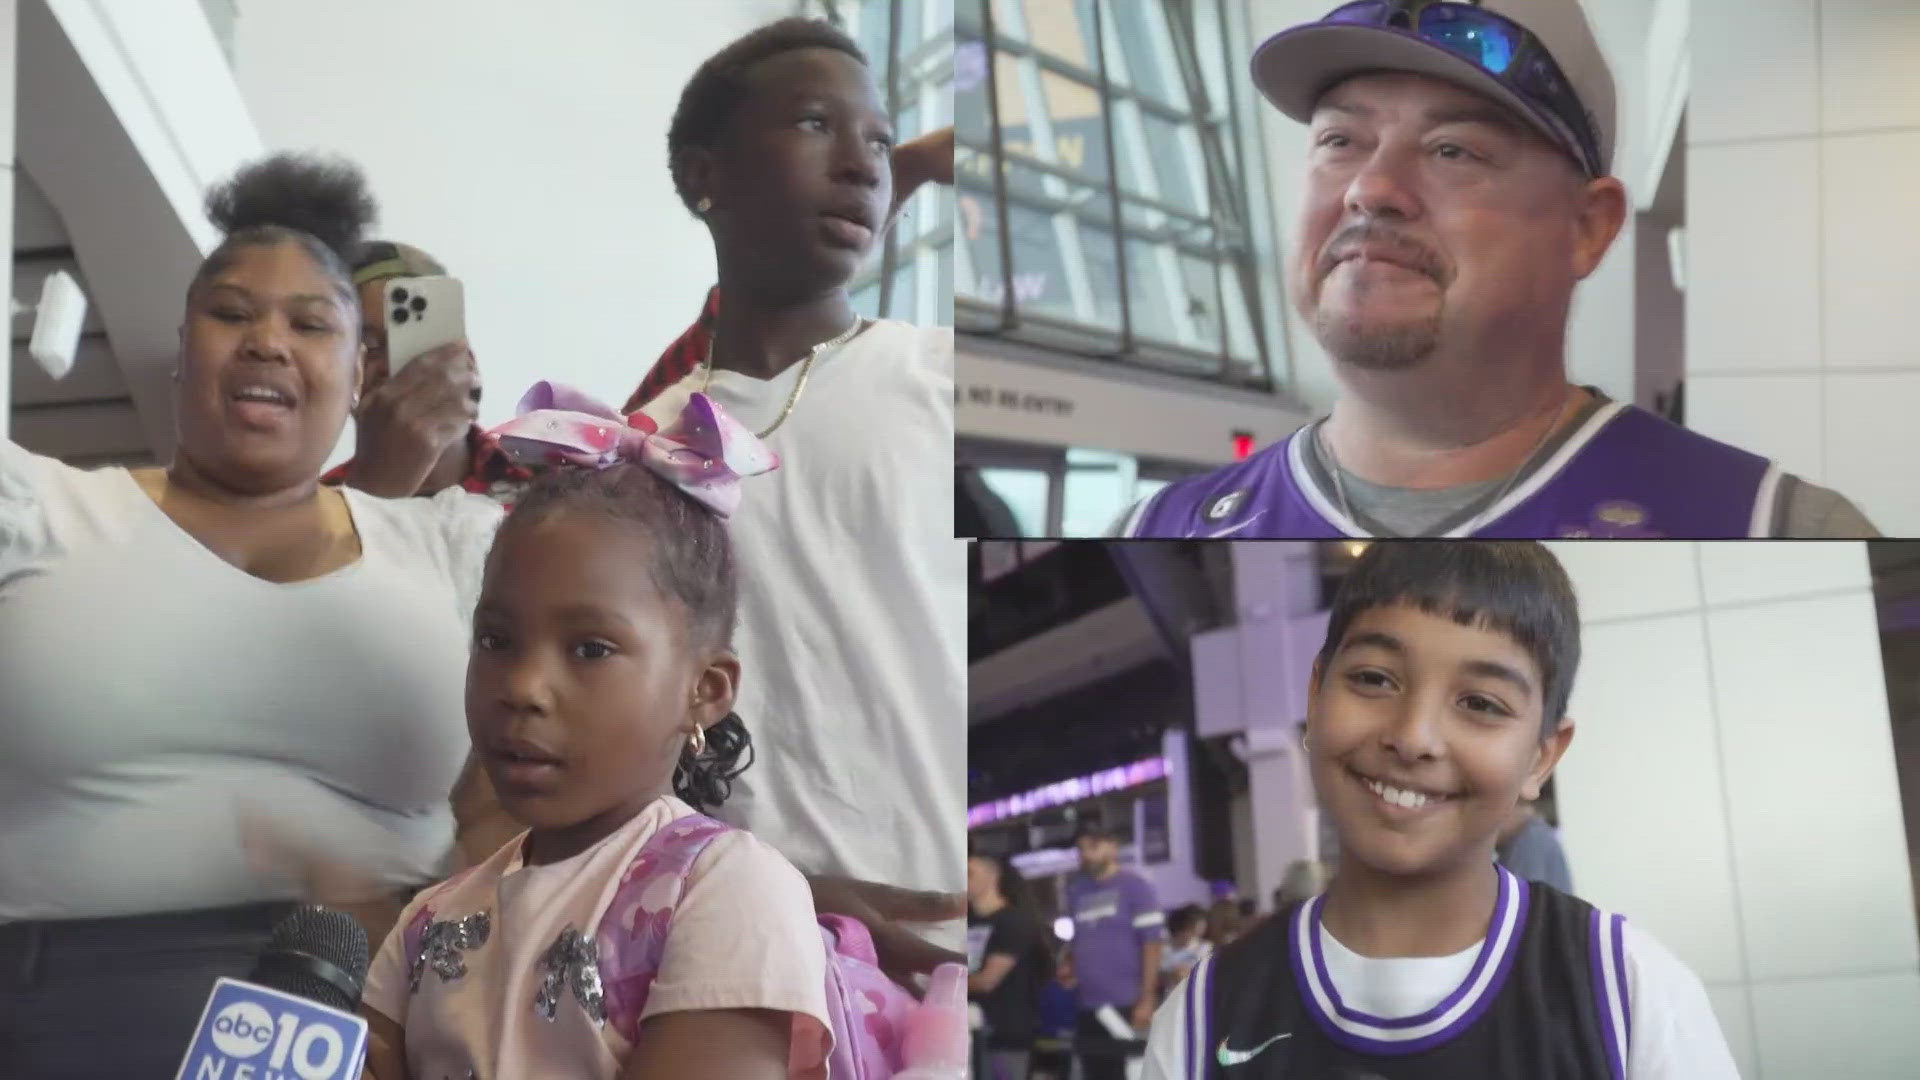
<point>1457,189</point>
<point>1118,934</point>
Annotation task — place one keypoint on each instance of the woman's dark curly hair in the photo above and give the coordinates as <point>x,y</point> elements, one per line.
<point>320,203</point>
<point>692,562</point>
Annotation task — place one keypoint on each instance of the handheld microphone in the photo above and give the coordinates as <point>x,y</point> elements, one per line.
<point>294,1018</point>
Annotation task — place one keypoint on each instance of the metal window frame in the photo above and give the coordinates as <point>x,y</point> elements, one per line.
<point>1229,222</point>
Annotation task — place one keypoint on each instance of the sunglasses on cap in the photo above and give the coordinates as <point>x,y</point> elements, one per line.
<point>1495,44</point>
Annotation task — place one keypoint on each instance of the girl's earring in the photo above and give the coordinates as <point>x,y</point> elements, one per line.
<point>705,204</point>
<point>698,741</point>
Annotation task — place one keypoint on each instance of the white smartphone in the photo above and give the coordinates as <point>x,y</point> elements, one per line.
<point>421,314</point>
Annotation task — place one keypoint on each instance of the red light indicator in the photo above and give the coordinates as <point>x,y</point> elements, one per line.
<point>1242,445</point>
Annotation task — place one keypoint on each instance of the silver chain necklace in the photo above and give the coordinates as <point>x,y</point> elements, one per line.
<point>1474,523</point>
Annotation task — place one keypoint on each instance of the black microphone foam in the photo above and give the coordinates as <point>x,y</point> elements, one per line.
<point>318,954</point>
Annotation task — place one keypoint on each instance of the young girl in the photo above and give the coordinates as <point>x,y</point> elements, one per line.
<point>600,693</point>
<point>1438,701</point>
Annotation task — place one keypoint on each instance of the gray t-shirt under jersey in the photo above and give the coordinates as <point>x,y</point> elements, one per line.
<point>1803,510</point>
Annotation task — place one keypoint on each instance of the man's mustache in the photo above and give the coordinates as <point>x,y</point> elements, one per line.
<point>1380,242</point>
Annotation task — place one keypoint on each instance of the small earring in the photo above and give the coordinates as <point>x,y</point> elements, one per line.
<point>705,204</point>
<point>698,741</point>
<point>1304,748</point>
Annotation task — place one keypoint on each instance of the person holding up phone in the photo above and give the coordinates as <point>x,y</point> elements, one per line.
<point>410,428</point>
<point>415,431</point>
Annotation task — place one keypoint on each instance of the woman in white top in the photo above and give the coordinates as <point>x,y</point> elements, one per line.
<point>222,645</point>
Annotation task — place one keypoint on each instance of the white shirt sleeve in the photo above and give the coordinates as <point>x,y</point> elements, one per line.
<point>23,517</point>
<point>468,522</point>
<point>1675,1035</point>
<point>1167,1037</point>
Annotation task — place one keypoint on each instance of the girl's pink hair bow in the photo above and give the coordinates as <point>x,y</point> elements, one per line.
<point>705,453</point>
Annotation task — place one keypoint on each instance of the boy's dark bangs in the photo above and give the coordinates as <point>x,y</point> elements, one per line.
<point>1481,608</point>
<point>1517,589</point>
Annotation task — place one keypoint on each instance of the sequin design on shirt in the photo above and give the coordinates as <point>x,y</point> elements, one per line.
<point>439,943</point>
<point>572,962</point>
<point>632,935</point>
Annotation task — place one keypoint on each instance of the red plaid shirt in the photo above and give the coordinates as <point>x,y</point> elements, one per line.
<point>493,472</point>
<point>682,358</point>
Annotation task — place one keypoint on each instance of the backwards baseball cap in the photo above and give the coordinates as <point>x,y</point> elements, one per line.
<point>1536,57</point>
<point>382,259</point>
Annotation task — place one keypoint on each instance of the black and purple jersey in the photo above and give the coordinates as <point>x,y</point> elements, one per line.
<point>1623,472</point>
<point>1546,999</point>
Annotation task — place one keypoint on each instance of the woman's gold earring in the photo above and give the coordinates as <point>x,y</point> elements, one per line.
<point>698,741</point>
<point>705,204</point>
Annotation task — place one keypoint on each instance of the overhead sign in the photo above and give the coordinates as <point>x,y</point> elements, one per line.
<point>1128,412</point>
<point>1067,792</point>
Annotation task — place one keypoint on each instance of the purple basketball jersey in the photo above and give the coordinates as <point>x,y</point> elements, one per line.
<point>1548,997</point>
<point>1626,473</point>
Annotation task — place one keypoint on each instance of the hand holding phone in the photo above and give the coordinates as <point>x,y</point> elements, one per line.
<point>407,425</point>
<point>421,314</point>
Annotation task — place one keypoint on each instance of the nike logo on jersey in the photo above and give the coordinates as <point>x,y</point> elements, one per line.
<point>1229,1057</point>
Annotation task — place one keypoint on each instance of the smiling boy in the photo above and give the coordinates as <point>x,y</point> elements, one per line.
<point>1438,703</point>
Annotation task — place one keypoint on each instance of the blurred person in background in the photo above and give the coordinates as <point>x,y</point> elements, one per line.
<point>1304,878</point>
<point>1119,934</point>
<point>1015,962</point>
<point>416,432</point>
<point>1224,922</point>
<point>1530,847</point>
<point>1187,945</point>
<point>1059,1018</point>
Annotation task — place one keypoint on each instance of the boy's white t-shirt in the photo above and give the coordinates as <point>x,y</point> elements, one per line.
<point>852,611</point>
<point>1675,1033</point>
<point>742,936</point>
